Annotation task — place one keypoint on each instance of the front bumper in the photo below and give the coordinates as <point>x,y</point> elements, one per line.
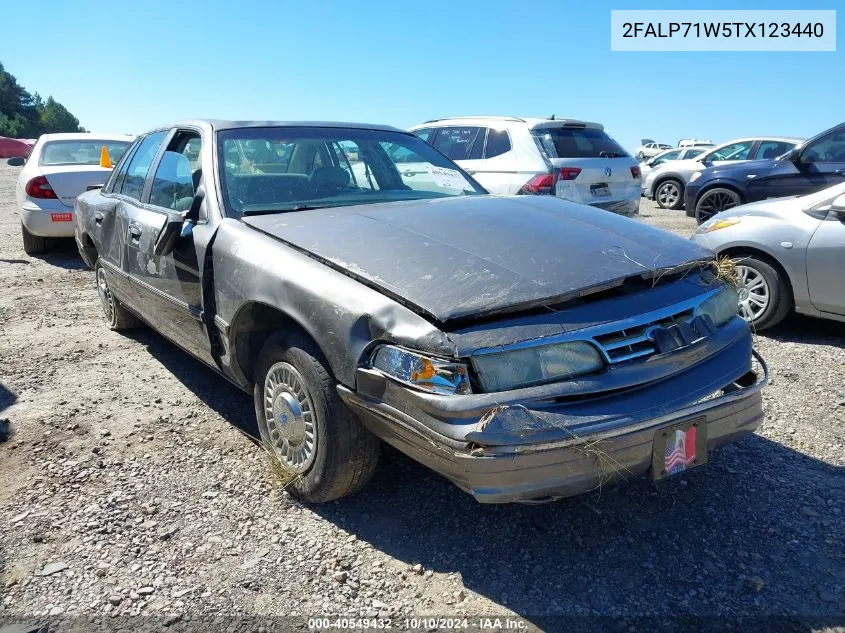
<point>556,447</point>
<point>51,219</point>
<point>691,197</point>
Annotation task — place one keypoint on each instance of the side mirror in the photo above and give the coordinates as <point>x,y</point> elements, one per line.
<point>16,161</point>
<point>170,233</point>
<point>794,156</point>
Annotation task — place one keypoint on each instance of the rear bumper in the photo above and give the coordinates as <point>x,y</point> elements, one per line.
<point>49,220</point>
<point>537,449</point>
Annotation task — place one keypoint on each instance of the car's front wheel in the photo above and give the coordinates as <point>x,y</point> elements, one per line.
<point>33,244</point>
<point>321,447</point>
<point>765,297</point>
<point>117,317</point>
<point>669,194</point>
<point>715,201</point>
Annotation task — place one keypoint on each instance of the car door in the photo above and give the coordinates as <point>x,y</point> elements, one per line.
<point>820,163</point>
<point>826,263</point>
<point>171,284</point>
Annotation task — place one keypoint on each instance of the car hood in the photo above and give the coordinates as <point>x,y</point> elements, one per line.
<point>458,258</point>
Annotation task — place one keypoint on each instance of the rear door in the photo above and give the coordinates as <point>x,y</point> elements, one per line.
<point>826,265</point>
<point>589,165</point>
<point>464,144</point>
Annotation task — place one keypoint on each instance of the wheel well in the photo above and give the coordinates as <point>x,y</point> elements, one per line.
<point>663,179</point>
<point>720,186</point>
<point>736,251</point>
<point>252,326</point>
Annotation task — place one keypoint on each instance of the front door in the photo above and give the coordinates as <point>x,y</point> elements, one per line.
<point>826,264</point>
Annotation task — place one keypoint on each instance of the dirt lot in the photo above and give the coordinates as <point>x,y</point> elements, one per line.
<point>127,476</point>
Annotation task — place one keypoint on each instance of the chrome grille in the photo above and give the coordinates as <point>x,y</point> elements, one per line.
<point>633,342</point>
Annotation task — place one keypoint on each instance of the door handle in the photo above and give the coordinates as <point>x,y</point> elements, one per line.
<point>135,231</point>
<point>98,218</point>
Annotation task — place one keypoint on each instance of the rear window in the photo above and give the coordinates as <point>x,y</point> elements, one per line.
<point>564,142</point>
<point>80,152</point>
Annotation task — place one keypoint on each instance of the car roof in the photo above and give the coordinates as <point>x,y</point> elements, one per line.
<point>85,136</point>
<point>531,122</point>
<point>218,124</point>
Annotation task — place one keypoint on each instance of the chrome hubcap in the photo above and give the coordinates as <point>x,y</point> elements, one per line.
<point>668,194</point>
<point>754,294</point>
<point>291,423</point>
<point>106,297</point>
<point>716,202</point>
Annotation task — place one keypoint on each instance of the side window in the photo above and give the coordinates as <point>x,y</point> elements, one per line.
<point>460,143</point>
<point>178,173</point>
<point>692,153</point>
<point>424,134</point>
<point>498,142</point>
<point>734,151</point>
<point>830,149</point>
<point>667,157</point>
<point>119,170</point>
<point>140,163</point>
<point>773,149</point>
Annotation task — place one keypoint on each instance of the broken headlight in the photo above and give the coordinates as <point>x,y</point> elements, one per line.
<point>502,371</point>
<point>722,306</point>
<point>424,372</point>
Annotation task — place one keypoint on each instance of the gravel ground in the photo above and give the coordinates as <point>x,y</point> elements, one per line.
<point>132,494</point>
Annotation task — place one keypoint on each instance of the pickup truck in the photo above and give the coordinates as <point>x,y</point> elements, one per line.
<point>525,347</point>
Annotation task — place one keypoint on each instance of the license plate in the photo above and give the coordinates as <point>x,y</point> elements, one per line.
<point>61,217</point>
<point>600,190</point>
<point>679,448</point>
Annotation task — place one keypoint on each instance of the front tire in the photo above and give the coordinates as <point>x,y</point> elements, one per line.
<point>117,317</point>
<point>669,194</point>
<point>33,244</point>
<point>765,296</point>
<point>715,201</point>
<point>305,426</point>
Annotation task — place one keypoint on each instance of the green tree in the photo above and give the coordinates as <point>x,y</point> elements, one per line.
<point>56,118</point>
<point>26,115</point>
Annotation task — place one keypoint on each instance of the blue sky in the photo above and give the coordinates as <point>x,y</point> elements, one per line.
<point>126,67</point>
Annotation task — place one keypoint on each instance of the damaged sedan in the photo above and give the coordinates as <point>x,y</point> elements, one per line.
<point>363,288</point>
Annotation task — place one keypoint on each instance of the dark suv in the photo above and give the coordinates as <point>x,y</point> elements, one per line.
<point>816,164</point>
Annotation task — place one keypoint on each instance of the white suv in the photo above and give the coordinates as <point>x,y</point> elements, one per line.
<point>574,160</point>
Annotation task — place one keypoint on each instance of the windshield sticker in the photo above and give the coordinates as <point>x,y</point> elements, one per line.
<point>448,178</point>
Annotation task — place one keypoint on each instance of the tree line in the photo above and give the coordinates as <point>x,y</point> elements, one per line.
<point>25,115</point>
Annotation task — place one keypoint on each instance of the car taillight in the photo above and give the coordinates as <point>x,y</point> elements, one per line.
<point>569,173</point>
<point>539,184</point>
<point>636,172</point>
<point>38,187</point>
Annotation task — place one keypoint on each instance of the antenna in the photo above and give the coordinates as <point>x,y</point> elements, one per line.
<point>552,117</point>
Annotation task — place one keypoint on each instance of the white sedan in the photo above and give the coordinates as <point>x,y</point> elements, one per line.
<point>60,167</point>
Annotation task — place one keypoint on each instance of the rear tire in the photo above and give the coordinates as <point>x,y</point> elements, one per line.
<point>33,244</point>
<point>762,283</point>
<point>117,317</point>
<point>312,435</point>
<point>669,194</point>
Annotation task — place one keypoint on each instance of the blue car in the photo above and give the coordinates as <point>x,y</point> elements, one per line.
<point>817,164</point>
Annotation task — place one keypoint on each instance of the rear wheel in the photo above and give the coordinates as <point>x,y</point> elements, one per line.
<point>321,447</point>
<point>669,194</point>
<point>765,297</point>
<point>33,244</point>
<point>715,201</point>
<point>117,317</point>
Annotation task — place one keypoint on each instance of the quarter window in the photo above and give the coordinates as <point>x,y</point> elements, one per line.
<point>119,170</point>
<point>139,165</point>
<point>498,142</point>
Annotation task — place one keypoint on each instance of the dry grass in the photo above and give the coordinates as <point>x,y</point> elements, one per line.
<point>725,269</point>
<point>277,474</point>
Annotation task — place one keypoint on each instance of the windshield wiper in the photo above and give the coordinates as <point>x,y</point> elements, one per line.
<point>296,207</point>
<point>607,154</point>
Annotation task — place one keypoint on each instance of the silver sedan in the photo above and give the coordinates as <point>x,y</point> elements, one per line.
<point>789,252</point>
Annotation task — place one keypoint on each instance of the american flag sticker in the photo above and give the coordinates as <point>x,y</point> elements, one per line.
<point>680,450</point>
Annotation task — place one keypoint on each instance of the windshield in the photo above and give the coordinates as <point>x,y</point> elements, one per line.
<point>277,169</point>
<point>85,152</point>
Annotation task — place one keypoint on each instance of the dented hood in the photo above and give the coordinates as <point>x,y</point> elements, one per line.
<point>456,258</point>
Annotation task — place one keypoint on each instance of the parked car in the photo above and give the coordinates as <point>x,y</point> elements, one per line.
<point>667,184</point>
<point>15,147</point>
<point>463,329</point>
<point>690,142</point>
<point>60,167</point>
<point>649,149</point>
<point>789,253</point>
<point>815,165</point>
<point>677,153</point>
<point>573,160</point>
